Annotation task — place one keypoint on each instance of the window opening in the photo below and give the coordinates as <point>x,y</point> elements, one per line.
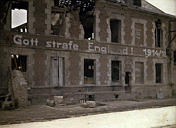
<point>115,26</point>
<point>86,13</point>
<point>127,78</point>
<point>115,71</point>
<point>88,24</point>
<point>19,16</point>
<point>57,22</point>
<point>174,57</point>
<point>116,96</point>
<point>89,71</point>
<point>158,34</point>
<point>139,34</point>
<point>137,2</point>
<point>91,98</point>
<point>158,69</point>
<point>19,62</point>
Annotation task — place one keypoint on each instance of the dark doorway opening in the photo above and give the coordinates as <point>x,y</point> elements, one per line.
<point>127,78</point>
<point>89,71</point>
<point>127,81</point>
<point>158,68</point>
<point>115,71</point>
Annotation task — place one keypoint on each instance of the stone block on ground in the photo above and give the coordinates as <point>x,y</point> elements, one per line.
<point>7,105</point>
<point>50,102</point>
<point>164,92</point>
<point>89,104</point>
<point>58,100</point>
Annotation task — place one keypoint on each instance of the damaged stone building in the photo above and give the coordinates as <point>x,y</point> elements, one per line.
<point>90,50</point>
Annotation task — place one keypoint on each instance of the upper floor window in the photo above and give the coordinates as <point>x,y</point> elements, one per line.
<point>158,34</point>
<point>83,15</point>
<point>88,21</point>
<point>57,22</point>
<point>19,16</point>
<point>115,26</point>
<point>139,34</point>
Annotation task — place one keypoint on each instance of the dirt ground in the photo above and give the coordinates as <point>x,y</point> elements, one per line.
<point>35,113</point>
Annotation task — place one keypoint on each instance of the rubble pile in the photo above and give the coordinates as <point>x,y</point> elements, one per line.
<point>19,86</point>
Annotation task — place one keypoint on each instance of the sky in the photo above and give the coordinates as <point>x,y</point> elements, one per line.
<point>18,17</point>
<point>168,6</point>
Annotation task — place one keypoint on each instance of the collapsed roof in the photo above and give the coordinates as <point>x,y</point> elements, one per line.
<point>84,6</point>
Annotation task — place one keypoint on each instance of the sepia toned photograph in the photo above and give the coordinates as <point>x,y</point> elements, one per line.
<point>87,63</point>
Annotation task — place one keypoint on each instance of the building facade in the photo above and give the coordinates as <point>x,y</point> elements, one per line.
<point>113,50</point>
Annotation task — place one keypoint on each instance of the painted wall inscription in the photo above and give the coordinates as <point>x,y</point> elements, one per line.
<point>91,47</point>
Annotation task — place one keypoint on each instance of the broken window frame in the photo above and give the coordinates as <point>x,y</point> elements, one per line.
<point>88,23</point>
<point>83,5</point>
<point>61,12</point>
<point>21,5</point>
<point>118,31</point>
<point>158,34</point>
<point>19,62</point>
<point>90,79</point>
<point>117,80</point>
<point>159,74</point>
<point>86,10</point>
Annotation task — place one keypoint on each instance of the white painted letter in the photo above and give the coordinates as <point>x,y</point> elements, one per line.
<point>75,47</point>
<point>97,49</point>
<point>125,51</point>
<point>36,42</point>
<point>48,44</point>
<point>132,52</point>
<point>70,44</point>
<point>17,39</point>
<point>26,42</point>
<point>104,50</point>
<point>89,47</point>
<point>59,44</point>
<point>65,46</point>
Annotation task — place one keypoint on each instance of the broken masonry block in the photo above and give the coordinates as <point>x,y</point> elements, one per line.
<point>58,100</point>
<point>7,105</point>
<point>89,104</point>
<point>50,102</point>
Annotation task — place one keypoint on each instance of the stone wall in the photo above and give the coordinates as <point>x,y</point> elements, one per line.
<point>4,70</point>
